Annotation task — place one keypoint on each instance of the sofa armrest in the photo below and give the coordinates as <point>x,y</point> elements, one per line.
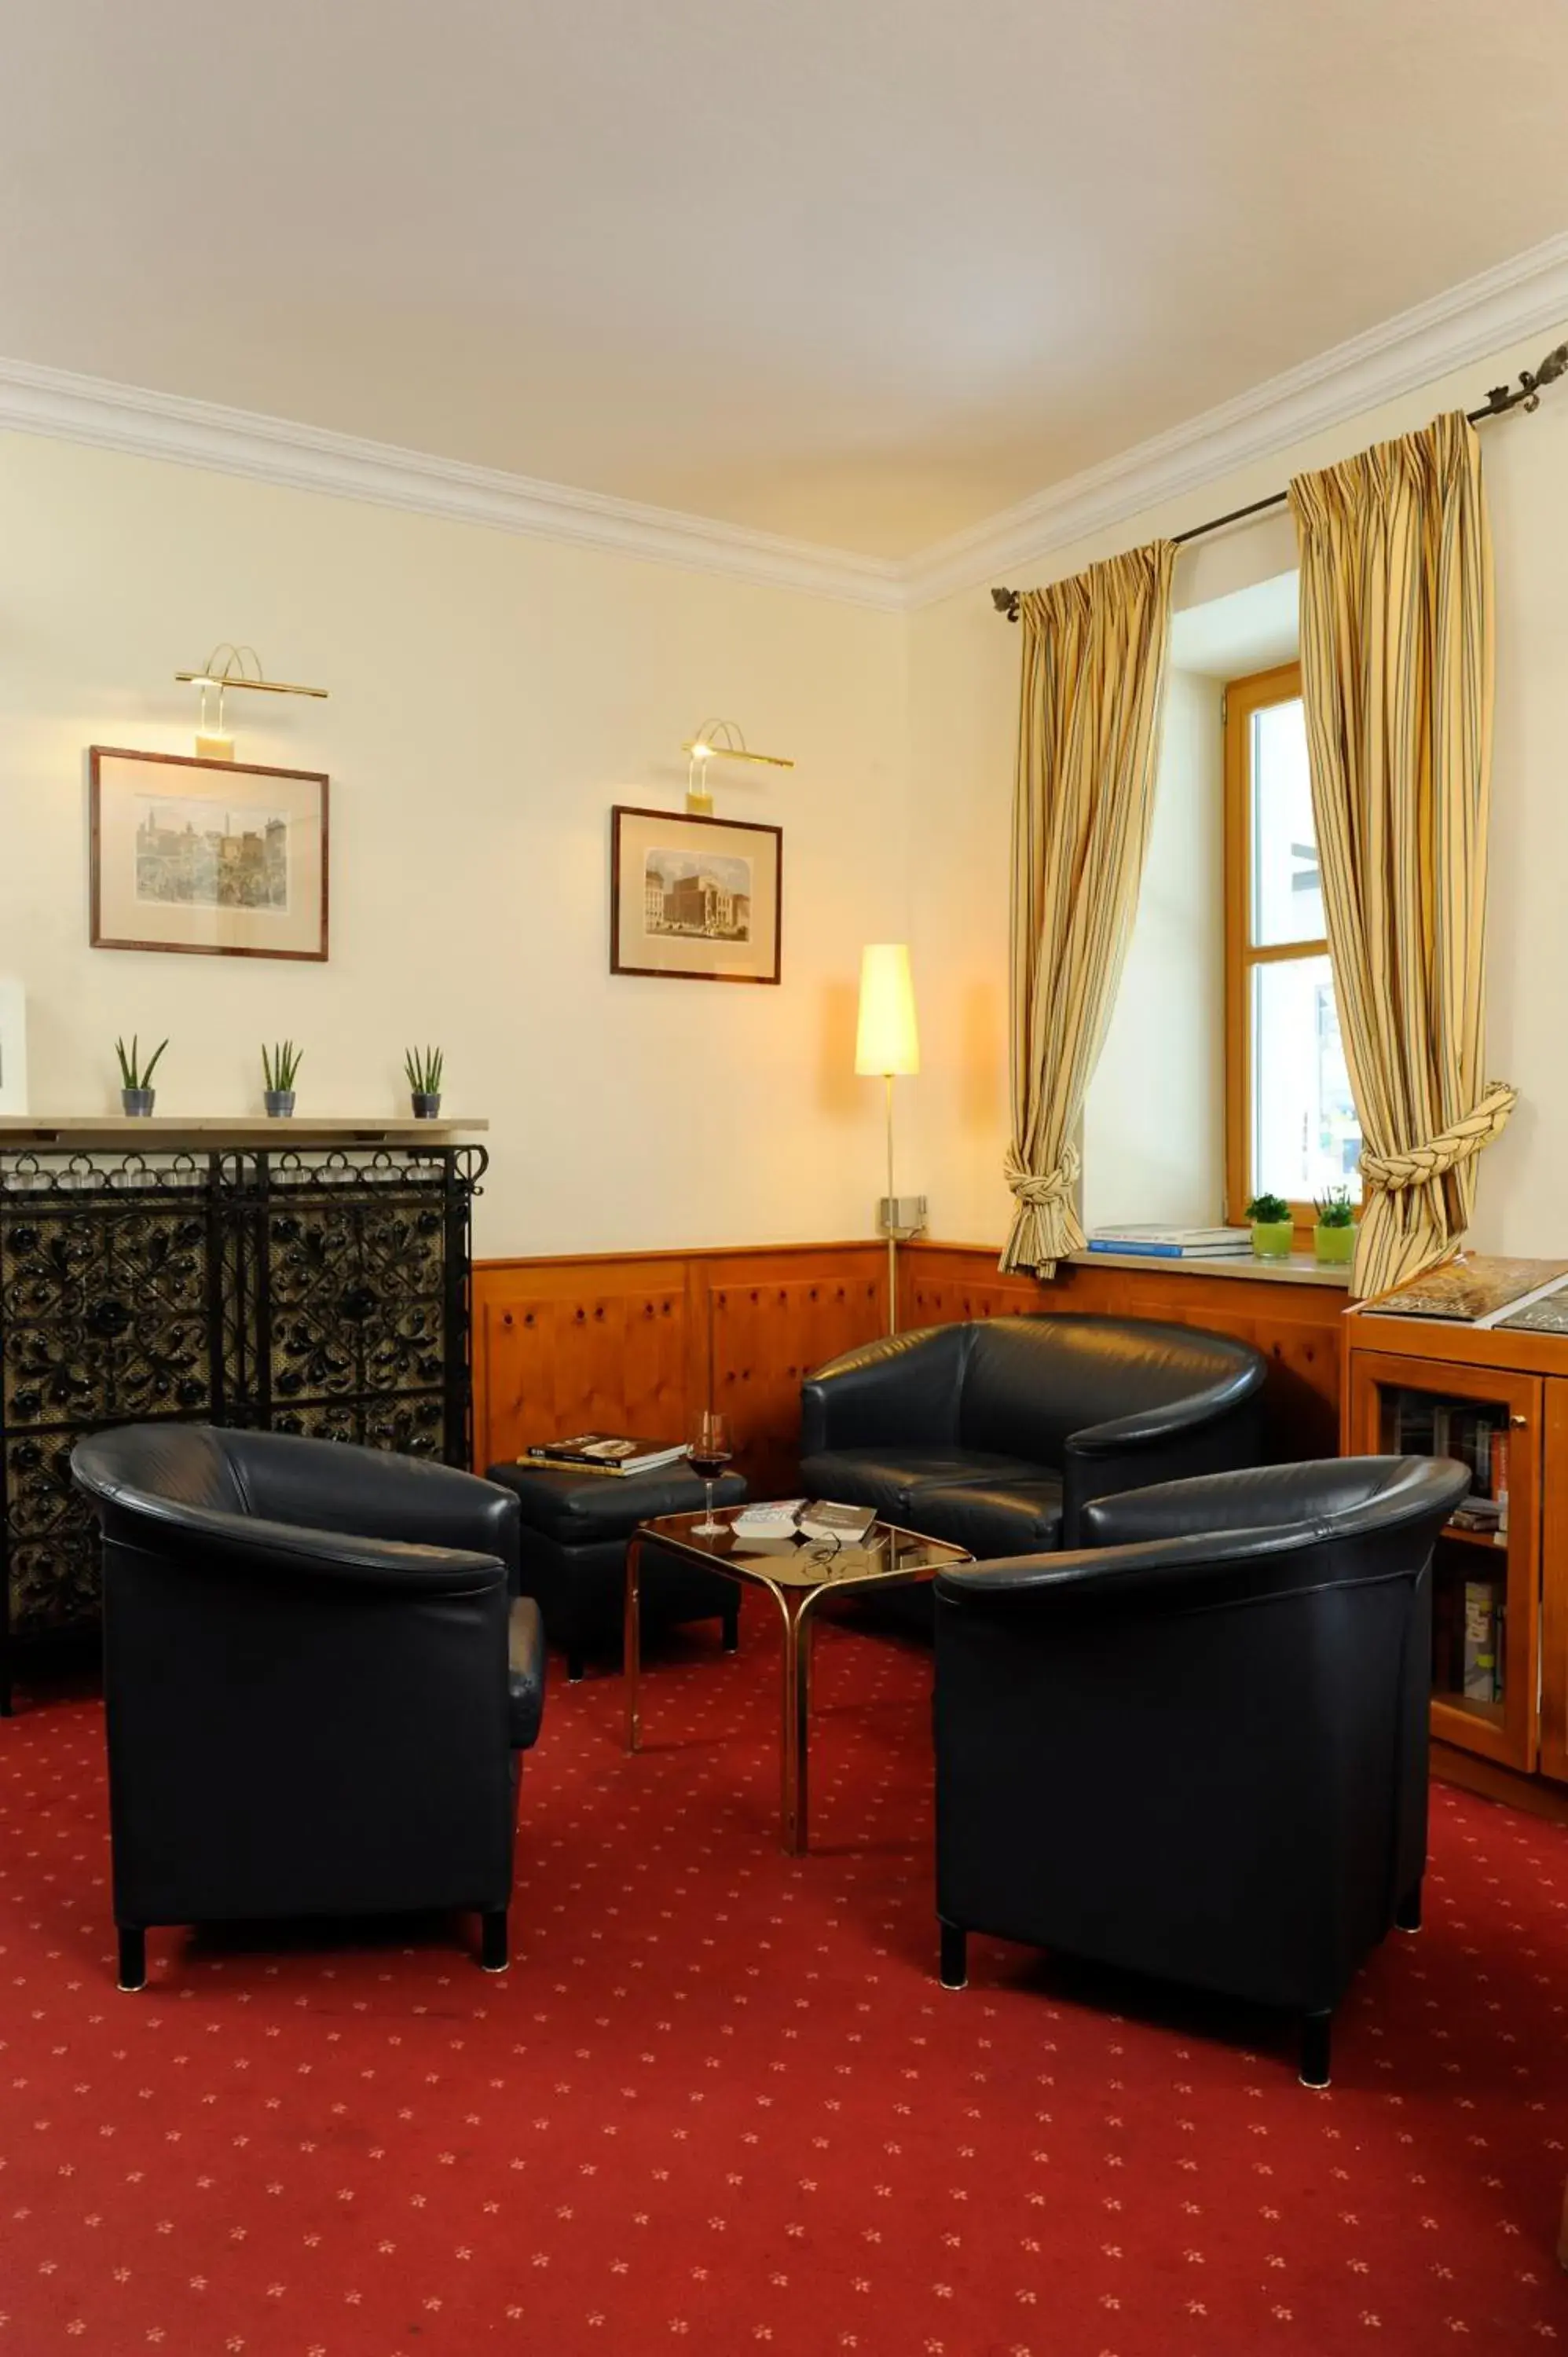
<point>1115,1579</point>
<point>334,1486</point>
<point>1236,1537</point>
<point>1259,1496</point>
<point>1156,1445</point>
<point>246,1546</point>
<point>900,1388</point>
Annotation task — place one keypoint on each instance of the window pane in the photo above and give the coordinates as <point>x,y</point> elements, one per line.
<point>1287,894</point>
<point>1305,1137</point>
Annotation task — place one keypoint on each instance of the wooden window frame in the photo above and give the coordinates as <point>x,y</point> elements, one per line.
<point>1243,699</point>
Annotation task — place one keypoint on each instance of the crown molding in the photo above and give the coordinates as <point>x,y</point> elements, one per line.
<point>109,416</point>
<point>1472,321</point>
<point>1480,318</point>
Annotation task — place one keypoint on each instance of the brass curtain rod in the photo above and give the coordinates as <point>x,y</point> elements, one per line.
<point>1525,395</point>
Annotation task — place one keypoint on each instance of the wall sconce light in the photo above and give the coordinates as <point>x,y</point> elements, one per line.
<point>717,741</point>
<point>228,667</point>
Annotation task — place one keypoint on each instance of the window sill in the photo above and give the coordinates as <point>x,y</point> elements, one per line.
<point>1300,1269</point>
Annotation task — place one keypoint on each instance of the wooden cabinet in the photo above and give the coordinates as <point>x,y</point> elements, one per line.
<point>1498,1401</point>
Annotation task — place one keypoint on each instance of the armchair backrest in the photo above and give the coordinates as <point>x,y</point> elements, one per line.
<point>301,1719</point>
<point>1251,1700</point>
<point>1031,1383</point>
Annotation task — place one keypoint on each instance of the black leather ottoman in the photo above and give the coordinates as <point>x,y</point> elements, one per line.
<point>574,1530</point>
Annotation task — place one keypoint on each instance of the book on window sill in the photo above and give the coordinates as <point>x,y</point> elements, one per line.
<point>1172,1243</point>
<point>608,1452</point>
<point>1472,1289</point>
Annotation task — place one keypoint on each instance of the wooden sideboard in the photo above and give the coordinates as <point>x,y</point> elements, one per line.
<point>1512,1745</point>
<point>640,1340</point>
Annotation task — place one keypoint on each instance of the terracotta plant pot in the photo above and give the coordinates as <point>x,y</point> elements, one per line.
<point>1272,1239</point>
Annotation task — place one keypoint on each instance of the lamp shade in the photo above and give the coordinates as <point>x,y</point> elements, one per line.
<point>886,1040</point>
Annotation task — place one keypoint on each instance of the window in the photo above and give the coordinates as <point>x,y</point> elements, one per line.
<point>1291,1126</point>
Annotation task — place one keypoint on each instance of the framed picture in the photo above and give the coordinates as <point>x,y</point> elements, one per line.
<point>699,898</point>
<point>218,857</point>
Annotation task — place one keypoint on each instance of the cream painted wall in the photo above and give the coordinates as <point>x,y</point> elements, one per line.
<point>963,700</point>
<point>490,698</point>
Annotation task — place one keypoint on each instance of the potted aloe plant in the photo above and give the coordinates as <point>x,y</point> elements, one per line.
<point>279,1066</point>
<point>423,1066</point>
<point>1273,1231</point>
<point>136,1077</point>
<point>1334,1236</point>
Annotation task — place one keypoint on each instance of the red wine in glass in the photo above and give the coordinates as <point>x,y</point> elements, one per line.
<point>710,1449</point>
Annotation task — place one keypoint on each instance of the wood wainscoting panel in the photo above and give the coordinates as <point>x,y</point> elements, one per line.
<point>572,1345</point>
<point>639,1341</point>
<point>769,1329</point>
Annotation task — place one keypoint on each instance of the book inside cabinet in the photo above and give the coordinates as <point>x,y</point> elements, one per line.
<point>1486,1565</point>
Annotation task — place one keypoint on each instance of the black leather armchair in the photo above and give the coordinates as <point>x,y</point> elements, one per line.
<point>995,1436</point>
<point>317,1681</point>
<point>1197,1748</point>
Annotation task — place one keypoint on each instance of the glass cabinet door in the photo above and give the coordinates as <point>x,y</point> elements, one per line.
<point>1486,1567</point>
<point>1554,1588</point>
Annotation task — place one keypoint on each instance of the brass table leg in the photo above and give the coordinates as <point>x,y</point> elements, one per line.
<point>633,1654</point>
<point>795,1746</point>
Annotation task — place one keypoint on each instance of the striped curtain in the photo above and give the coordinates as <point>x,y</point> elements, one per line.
<point>1396,664</point>
<point>1094,658</point>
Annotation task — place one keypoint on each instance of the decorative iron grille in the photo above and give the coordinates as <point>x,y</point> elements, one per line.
<point>322,1291</point>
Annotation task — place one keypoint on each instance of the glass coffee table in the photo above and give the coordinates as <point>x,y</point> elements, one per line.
<point>796,1573</point>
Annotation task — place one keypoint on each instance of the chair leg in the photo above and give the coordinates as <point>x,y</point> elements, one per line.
<point>730,1622</point>
<point>494,1954</point>
<point>954,1967</point>
<point>1407,1914</point>
<point>1317,2033</point>
<point>576,1668</point>
<point>132,1957</point>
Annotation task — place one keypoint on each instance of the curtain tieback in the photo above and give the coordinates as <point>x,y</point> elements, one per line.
<point>1449,1148</point>
<point>1055,1186</point>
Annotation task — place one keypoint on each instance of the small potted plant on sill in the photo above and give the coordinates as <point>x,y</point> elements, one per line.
<point>135,1078</point>
<point>1334,1237</point>
<point>279,1066</point>
<point>423,1066</point>
<point>1273,1231</point>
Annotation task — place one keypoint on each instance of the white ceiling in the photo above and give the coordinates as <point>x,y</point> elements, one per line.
<point>862,272</point>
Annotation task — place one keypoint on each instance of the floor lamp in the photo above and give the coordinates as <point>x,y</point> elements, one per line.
<point>887,1044</point>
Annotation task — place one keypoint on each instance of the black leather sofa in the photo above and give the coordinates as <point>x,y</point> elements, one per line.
<point>995,1434</point>
<point>317,1683</point>
<point>1197,1748</point>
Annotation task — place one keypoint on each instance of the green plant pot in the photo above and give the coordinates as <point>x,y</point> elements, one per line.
<point>1334,1247</point>
<point>1273,1239</point>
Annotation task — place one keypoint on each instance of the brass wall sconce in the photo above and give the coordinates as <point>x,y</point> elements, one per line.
<point>717,741</point>
<point>228,667</point>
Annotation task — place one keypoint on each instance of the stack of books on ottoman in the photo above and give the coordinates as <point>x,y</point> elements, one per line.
<point>608,1452</point>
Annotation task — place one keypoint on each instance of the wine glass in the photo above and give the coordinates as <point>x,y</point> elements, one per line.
<point>712,1446</point>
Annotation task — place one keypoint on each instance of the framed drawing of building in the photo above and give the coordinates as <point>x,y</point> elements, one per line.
<point>697,898</point>
<point>221,858</point>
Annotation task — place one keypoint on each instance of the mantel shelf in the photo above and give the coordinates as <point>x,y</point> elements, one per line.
<point>162,1132</point>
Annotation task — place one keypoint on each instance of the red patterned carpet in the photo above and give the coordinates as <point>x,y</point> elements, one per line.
<point>721,2103</point>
